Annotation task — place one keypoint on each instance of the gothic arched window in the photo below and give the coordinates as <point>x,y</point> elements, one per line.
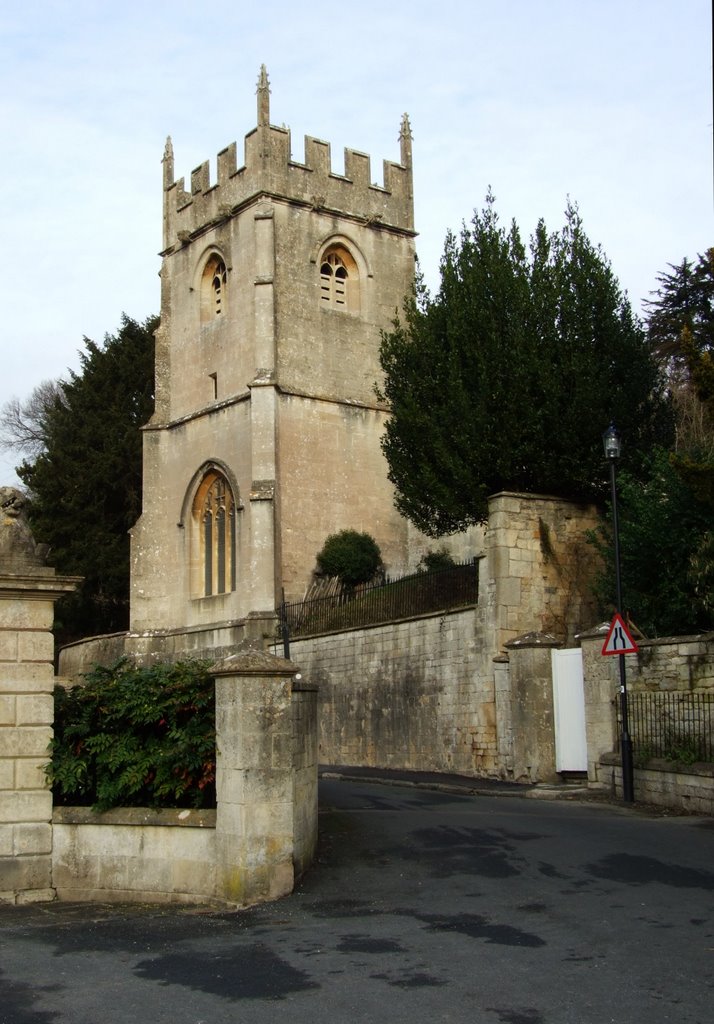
<point>214,516</point>
<point>213,289</point>
<point>339,280</point>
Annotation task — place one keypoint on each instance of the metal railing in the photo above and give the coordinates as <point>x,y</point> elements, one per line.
<point>418,594</point>
<point>675,726</point>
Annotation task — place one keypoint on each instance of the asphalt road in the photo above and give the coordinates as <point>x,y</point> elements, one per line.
<point>423,907</point>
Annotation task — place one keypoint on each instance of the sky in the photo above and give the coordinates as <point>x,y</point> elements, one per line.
<point>606,104</point>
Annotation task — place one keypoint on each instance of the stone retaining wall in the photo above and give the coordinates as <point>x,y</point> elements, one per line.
<point>403,695</point>
<point>682,788</point>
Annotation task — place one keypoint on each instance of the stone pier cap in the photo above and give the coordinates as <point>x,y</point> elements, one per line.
<point>253,661</point>
<point>533,639</point>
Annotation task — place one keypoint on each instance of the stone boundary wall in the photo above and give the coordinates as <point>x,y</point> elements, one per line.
<point>261,837</point>
<point>304,768</point>
<point>134,854</point>
<point>663,784</point>
<point>432,693</point>
<point>404,695</point>
<point>673,663</point>
<point>670,664</point>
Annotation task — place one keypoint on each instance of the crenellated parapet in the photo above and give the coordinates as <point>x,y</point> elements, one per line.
<point>269,170</point>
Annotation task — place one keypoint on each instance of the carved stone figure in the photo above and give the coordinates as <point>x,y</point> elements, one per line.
<point>18,551</point>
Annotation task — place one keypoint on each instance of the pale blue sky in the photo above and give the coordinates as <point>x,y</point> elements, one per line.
<point>607,102</point>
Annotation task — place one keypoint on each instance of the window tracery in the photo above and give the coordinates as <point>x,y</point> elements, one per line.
<point>339,280</point>
<point>213,289</point>
<point>215,521</point>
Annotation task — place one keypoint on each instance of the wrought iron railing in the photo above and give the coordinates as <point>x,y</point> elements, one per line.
<point>419,594</point>
<point>675,726</point>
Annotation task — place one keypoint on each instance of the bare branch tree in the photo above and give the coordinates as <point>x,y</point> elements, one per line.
<point>23,424</point>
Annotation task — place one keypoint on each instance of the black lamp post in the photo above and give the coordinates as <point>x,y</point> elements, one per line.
<point>611,443</point>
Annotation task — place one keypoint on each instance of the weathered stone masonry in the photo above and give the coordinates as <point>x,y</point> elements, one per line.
<point>28,591</point>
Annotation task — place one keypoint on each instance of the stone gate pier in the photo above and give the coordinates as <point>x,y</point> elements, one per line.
<point>28,591</point>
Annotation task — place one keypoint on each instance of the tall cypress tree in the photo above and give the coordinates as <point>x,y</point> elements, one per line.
<point>85,487</point>
<point>506,378</point>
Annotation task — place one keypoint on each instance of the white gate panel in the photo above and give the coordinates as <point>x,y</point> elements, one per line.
<point>571,752</point>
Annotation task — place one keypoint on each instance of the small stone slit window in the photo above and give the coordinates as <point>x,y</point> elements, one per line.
<point>218,286</point>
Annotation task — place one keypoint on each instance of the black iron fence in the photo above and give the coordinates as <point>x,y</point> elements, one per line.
<point>418,594</point>
<point>675,726</point>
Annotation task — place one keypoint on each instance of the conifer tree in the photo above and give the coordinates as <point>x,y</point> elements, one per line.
<point>85,486</point>
<point>507,377</point>
<point>680,327</point>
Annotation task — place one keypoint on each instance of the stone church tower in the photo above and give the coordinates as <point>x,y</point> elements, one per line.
<point>275,283</point>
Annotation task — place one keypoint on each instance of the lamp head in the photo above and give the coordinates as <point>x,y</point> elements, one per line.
<point>611,442</point>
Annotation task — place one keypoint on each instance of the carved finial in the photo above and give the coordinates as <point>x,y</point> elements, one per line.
<point>263,97</point>
<point>405,141</point>
<point>168,162</point>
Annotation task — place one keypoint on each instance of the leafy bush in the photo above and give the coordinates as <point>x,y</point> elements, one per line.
<point>350,556</point>
<point>136,737</point>
<point>433,561</point>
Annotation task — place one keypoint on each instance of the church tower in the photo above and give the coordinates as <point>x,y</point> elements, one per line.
<point>276,281</point>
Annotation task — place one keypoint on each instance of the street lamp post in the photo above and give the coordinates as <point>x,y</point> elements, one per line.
<point>611,443</point>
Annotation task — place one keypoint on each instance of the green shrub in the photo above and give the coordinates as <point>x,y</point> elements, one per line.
<point>432,561</point>
<point>136,737</point>
<point>350,556</point>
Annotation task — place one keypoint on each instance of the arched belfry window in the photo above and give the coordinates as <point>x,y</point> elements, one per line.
<point>214,521</point>
<point>213,289</point>
<point>339,280</point>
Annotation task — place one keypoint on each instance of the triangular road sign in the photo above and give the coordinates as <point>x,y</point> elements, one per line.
<point>619,639</point>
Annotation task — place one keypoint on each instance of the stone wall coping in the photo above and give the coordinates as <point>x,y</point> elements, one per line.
<point>533,639</point>
<point>39,585</point>
<point>380,625</point>
<point>533,497</point>
<point>137,816</point>
<point>99,636</point>
<point>659,764</point>
<point>659,641</point>
<point>207,627</point>
<point>665,641</point>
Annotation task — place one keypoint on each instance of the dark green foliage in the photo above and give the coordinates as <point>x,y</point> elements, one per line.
<point>666,508</point>
<point>352,557</point>
<point>85,486</point>
<point>666,552</point>
<point>680,328</point>
<point>432,561</point>
<point>508,376</point>
<point>680,319</point>
<point>136,737</point>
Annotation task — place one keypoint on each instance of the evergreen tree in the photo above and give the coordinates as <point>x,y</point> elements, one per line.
<point>680,318</point>
<point>680,327</point>
<point>85,486</point>
<point>507,378</point>
<point>666,546</point>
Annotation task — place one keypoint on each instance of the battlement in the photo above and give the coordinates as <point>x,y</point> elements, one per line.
<point>268,169</point>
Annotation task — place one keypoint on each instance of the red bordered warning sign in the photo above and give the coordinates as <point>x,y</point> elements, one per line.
<point>619,639</point>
